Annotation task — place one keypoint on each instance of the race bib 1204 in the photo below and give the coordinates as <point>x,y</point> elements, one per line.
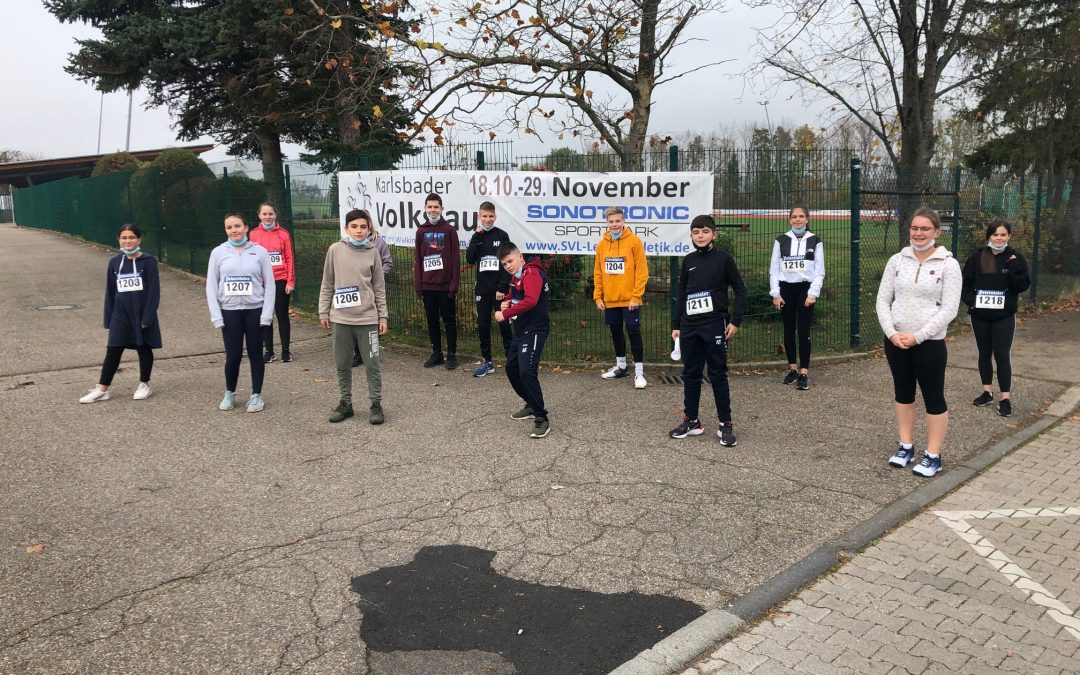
<point>615,265</point>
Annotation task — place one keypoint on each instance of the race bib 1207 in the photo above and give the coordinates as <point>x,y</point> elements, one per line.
<point>237,285</point>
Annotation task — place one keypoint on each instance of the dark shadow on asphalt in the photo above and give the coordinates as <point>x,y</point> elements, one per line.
<point>450,598</point>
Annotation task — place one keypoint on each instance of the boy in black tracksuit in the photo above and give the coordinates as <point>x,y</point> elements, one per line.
<point>702,326</point>
<point>527,305</point>
<point>491,283</point>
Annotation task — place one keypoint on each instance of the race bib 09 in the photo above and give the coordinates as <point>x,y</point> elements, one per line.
<point>275,258</point>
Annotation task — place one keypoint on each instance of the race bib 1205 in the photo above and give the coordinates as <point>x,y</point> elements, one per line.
<point>432,263</point>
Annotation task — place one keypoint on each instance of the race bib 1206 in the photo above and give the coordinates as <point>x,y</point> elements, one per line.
<point>348,296</point>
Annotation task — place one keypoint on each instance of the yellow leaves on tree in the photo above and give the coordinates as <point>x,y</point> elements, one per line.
<point>385,29</point>
<point>377,112</point>
<point>335,24</point>
<point>422,44</point>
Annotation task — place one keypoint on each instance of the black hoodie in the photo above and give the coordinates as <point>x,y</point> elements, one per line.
<point>483,247</point>
<point>1010,276</point>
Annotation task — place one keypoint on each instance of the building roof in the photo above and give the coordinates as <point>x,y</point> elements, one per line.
<point>37,171</point>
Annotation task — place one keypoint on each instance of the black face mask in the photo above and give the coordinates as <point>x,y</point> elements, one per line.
<point>702,249</point>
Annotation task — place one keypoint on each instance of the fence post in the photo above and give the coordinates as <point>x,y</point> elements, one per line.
<point>288,202</point>
<point>1035,238</point>
<point>956,211</point>
<point>225,189</point>
<point>855,282</point>
<point>480,164</point>
<point>673,262</point>
<point>190,226</point>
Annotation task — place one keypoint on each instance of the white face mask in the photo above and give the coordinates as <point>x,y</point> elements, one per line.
<point>925,247</point>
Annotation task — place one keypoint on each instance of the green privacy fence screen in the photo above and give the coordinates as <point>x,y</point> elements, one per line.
<point>854,210</point>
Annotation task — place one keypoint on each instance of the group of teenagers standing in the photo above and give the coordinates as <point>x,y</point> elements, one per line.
<point>251,276</point>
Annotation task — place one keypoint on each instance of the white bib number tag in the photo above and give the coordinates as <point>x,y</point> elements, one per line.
<point>489,263</point>
<point>348,296</point>
<point>699,303</point>
<point>989,299</point>
<point>432,263</point>
<point>615,265</point>
<point>237,285</point>
<point>126,283</point>
<point>275,258</point>
<point>794,264</point>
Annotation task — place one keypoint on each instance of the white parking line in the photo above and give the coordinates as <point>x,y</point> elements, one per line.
<point>1055,609</point>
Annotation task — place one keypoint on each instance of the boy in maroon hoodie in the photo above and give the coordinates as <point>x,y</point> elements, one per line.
<point>527,308</point>
<point>436,272</point>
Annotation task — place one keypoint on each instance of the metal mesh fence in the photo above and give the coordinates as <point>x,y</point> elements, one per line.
<point>181,212</point>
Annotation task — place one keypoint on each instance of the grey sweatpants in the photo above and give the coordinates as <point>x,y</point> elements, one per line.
<point>367,339</point>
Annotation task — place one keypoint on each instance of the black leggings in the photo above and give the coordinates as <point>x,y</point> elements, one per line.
<point>281,311</point>
<point>797,317</point>
<point>112,363</point>
<point>436,304</point>
<point>923,364</point>
<point>994,339</point>
<point>637,347</point>
<point>486,305</point>
<point>242,325</point>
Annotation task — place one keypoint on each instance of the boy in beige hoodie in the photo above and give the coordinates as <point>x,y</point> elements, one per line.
<point>352,303</point>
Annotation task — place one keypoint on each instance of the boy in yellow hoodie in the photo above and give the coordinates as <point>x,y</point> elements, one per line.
<point>619,278</point>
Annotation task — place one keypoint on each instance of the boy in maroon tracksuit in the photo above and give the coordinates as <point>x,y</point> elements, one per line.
<point>436,272</point>
<point>527,307</point>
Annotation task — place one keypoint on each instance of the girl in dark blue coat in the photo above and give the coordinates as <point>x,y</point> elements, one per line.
<point>132,295</point>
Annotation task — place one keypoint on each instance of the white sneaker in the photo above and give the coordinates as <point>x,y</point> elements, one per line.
<point>255,403</point>
<point>615,373</point>
<point>228,402</point>
<point>639,381</point>
<point>95,395</point>
<point>142,392</point>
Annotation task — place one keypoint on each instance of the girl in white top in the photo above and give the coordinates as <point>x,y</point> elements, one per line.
<point>918,297</point>
<point>796,274</point>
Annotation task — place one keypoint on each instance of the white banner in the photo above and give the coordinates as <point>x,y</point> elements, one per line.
<point>543,212</point>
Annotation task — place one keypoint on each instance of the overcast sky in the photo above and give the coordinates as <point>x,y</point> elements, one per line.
<point>52,114</point>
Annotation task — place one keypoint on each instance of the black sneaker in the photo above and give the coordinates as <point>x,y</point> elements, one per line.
<point>435,359</point>
<point>358,360</point>
<point>1005,408</point>
<point>376,416</point>
<point>726,434</point>
<point>451,361</point>
<point>341,413</point>
<point>803,383</point>
<point>985,398</point>
<point>687,428</point>
<point>791,376</point>
<point>286,357</point>
<point>540,428</point>
<point>269,357</point>
<point>525,413</point>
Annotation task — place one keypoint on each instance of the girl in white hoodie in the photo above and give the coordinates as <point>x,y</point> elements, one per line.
<point>918,297</point>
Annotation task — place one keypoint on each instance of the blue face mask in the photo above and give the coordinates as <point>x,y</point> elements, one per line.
<point>997,248</point>
<point>238,244</point>
<point>487,228</point>
<point>130,251</point>
<point>798,231</point>
<point>357,244</point>
<point>268,227</point>
<point>520,272</point>
<point>433,219</point>
<point>616,235</point>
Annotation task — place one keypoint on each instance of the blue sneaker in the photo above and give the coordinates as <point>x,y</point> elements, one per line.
<point>903,456</point>
<point>228,402</point>
<point>255,403</point>
<point>929,466</point>
<point>483,369</point>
